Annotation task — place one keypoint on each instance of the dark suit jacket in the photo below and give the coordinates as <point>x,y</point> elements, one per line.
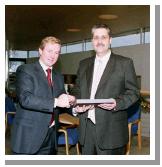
<point>36,103</point>
<point>119,82</point>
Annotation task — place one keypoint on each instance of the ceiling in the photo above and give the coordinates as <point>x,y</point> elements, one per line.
<point>26,25</point>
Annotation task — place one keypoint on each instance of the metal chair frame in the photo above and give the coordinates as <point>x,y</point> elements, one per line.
<point>64,130</point>
<point>139,138</point>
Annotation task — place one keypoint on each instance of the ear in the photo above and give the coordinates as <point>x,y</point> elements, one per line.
<point>110,40</point>
<point>40,51</point>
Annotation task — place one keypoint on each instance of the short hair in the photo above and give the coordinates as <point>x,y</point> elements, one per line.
<point>49,39</point>
<point>96,26</point>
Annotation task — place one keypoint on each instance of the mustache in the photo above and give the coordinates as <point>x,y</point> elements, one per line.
<point>100,44</point>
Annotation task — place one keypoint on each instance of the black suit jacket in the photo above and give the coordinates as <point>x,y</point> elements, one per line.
<point>119,82</point>
<point>36,104</point>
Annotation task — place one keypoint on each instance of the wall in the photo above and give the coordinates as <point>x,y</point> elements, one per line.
<point>140,54</point>
<point>141,58</point>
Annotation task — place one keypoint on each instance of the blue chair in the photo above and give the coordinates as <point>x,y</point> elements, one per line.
<point>68,131</point>
<point>68,136</point>
<point>134,125</point>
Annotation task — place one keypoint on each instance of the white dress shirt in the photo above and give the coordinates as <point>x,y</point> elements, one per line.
<point>45,68</point>
<point>99,67</point>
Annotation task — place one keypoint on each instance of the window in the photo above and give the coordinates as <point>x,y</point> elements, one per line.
<point>74,48</point>
<point>14,64</point>
<point>33,53</point>
<point>63,49</point>
<point>147,37</point>
<point>126,40</point>
<point>88,46</point>
<point>17,54</point>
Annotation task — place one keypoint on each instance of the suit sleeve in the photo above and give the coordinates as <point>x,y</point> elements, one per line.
<point>25,91</point>
<point>131,94</point>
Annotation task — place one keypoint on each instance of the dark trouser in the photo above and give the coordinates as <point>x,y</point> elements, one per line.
<point>48,145</point>
<point>90,146</point>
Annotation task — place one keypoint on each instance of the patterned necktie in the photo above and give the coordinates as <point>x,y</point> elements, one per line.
<point>50,84</point>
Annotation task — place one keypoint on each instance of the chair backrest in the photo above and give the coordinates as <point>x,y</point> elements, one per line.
<point>10,109</point>
<point>134,116</point>
<point>9,105</point>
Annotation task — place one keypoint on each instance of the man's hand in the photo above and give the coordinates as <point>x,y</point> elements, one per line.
<point>83,108</point>
<point>63,101</point>
<point>109,106</point>
<point>72,99</point>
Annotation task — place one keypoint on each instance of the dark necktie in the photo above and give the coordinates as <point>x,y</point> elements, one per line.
<point>50,84</point>
<point>49,77</point>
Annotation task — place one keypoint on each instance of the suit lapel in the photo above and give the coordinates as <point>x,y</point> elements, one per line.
<point>107,72</point>
<point>41,72</point>
<point>55,82</point>
<point>89,74</point>
<point>42,75</point>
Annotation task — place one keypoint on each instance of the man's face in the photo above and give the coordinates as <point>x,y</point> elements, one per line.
<point>50,53</point>
<point>101,41</point>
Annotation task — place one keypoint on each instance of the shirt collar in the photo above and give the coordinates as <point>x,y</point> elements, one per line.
<point>104,58</point>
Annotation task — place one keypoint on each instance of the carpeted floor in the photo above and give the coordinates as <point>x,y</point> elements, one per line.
<point>61,151</point>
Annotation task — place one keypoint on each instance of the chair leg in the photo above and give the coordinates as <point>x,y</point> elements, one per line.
<point>6,118</point>
<point>139,136</point>
<point>66,143</point>
<point>66,140</point>
<point>77,147</point>
<point>129,142</point>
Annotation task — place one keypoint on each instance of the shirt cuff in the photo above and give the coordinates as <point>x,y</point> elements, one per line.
<point>55,103</point>
<point>74,112</point>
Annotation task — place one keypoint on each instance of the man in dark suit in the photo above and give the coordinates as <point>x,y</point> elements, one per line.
<point>40,90</point>
<point>103,128</point>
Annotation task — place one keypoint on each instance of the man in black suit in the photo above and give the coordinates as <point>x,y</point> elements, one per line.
<point>40,90</point>
<point>103,129</point>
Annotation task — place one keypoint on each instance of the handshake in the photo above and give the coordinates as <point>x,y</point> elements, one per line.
<point>65,100</point>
